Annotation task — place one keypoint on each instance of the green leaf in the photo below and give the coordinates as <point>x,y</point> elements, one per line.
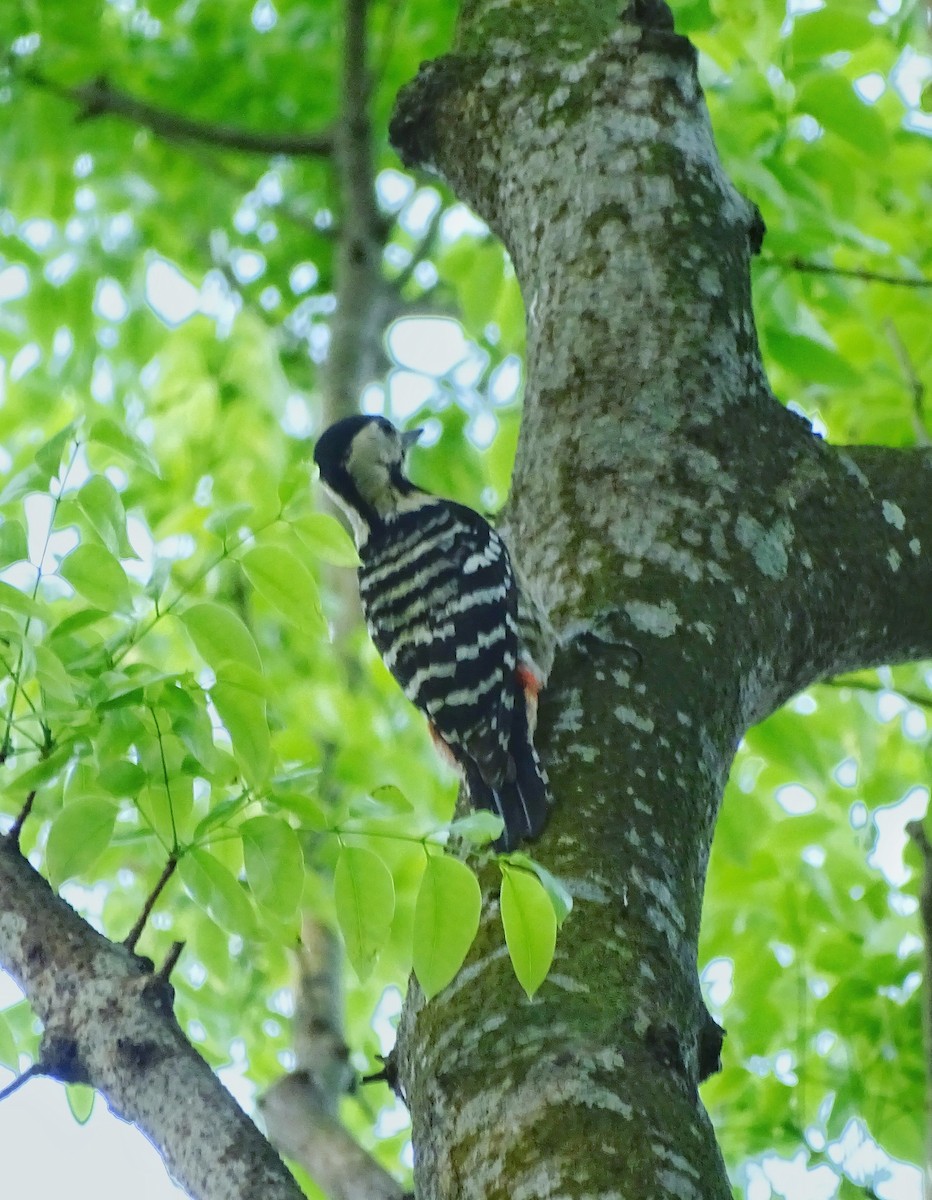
<point>48,456</point>
<point>274,864</point>
<point>225,521</point>
<point>295,481</point>
<point>218,815</point>
<point>220,636</point>
<point>478,828</point>
<point>108,433</point>
<point>9,1052</point>
<point>364,895</point>
<point>243,714</point>
<point>327,539</point>
<point>102,505</point>
<point>13,544</point>
<point>383,802</point>
<point>530,926</point>
<point>81,1101</point>
<point>560,897</point>
<point>810,360</point>
<point>830,98</point>
<point>446,918</point>
<point>827,30</point>
<point>79,834</point>
<point>97,576</point>
<point>129,680</point>
<point>13,600</point>
<point>52,676</point>
<point>392,799</point>
<point>22,483</point>
<point>212,886</point>
<point>186,707</point>
<point>39,772</point>
<point>310,812</point>
<point>77,621</point>
<point>122,778</point>
<point>287,584</point>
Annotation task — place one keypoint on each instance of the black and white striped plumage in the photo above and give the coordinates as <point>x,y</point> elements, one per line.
<point>441,604</point>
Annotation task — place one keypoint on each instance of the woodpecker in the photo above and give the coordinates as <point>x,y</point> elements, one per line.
<point>441,603</point>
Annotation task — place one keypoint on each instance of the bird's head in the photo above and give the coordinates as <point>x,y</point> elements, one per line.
<point>361,461</point>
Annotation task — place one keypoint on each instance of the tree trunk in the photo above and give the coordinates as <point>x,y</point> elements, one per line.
<point>702,555</point>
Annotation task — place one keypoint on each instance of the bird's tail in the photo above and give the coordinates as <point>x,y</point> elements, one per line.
<point>523,798</point>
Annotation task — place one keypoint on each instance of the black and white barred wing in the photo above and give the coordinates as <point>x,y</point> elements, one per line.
<point>440,601</point>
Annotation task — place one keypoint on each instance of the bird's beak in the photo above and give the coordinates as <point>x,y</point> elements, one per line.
<point>409,438</point>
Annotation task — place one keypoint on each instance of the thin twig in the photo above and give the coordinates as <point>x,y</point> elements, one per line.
<point>811,268</point>
<point>100,98</point>
<point>17,827</point>
<point>18,1082</point>
<point>916,386</point>
<point>135,933</point>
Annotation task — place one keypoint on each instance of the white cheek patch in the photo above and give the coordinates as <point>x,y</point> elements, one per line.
<point>368,462</point>
<point>359,527</point>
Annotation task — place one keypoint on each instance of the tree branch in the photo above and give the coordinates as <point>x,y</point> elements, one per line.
<point>29,1073</point>
<point>100,98</point>
<point>320,1050</point>
<point>364,300</point>
<point>98,1002</point>
<point>295,1115</point>
<point>866,276</point>
<point>877,499</point>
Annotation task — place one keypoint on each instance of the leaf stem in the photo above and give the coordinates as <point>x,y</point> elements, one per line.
<point>342,833</point>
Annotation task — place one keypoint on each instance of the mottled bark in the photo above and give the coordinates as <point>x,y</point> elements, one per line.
<point>295,1114</point>
<point>702,556</point>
